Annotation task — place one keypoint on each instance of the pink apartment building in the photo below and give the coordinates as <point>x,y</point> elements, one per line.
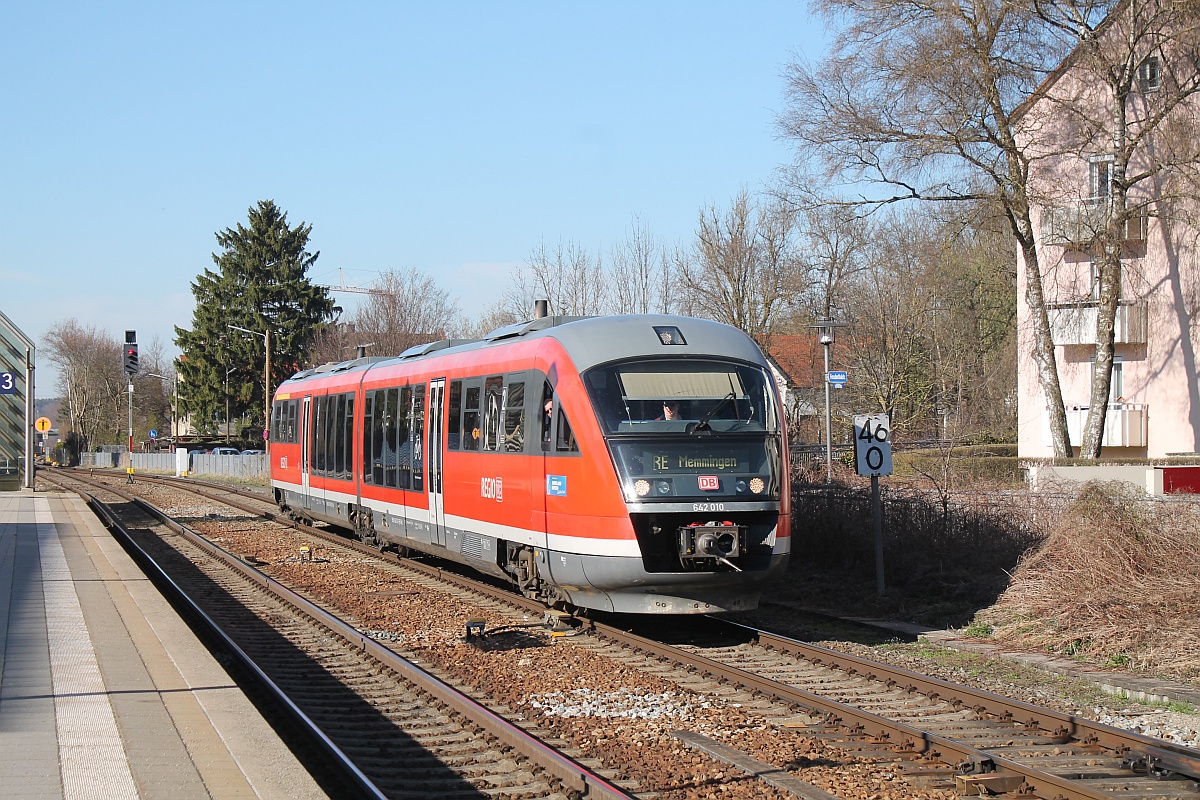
<point>1154,402</point>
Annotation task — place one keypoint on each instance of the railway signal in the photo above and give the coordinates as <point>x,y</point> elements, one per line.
<point>131,353</point>
<point>131,368</point>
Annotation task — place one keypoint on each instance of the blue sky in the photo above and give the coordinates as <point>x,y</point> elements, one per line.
<point>451,137</point>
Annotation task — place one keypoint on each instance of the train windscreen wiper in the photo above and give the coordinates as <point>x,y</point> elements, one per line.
<point>702,425</point>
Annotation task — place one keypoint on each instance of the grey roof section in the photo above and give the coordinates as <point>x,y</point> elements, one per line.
<point>589,341</point>
<point>599,340</point>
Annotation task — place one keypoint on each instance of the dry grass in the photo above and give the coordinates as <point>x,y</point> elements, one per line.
<point>1116,582</point>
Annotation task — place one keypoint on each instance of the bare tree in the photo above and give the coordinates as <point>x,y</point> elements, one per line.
<point>744,269</point>
<point>405,308</point>
<point>915,102</point>
<point>567,276</point>
<point>888,346</point>
<point>497,316</point>
<point>638,273</point>
<point>834,243</point>
<point>90,377</point>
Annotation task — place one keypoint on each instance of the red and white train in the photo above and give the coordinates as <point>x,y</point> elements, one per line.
<point>632,464</point>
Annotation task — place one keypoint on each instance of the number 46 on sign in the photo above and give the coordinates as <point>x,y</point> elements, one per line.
<point>872,444</point>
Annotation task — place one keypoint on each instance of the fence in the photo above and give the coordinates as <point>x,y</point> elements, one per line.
<point>241,467</point>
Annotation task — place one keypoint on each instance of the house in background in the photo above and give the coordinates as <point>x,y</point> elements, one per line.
<point>1154,403</point>
<point>797,364</point>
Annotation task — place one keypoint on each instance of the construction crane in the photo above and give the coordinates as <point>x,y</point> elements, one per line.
<point>342,287</point>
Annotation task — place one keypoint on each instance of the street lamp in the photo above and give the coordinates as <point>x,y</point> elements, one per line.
<point>825,331</point>
<point>266,380</point>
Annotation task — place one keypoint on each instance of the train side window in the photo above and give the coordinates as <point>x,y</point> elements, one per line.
<point>564,440</point>
<point>454,418</point>
<point>276,431</point>
<point>332,425</point>
<point>367,431</point>
<point>377,437</point>
<point>403,443</point>
<point>514,417</point>
<point>319,413</point>
<point>348,454</point>
<point>316,434</point>
<point>293,412</point>
<point>493,403</point>
<point>471,426</point>
<point>390,426</point>
<point>418,433</point>
<point>338,421</point>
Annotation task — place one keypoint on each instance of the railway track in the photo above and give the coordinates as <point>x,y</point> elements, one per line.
<point>935,734</point>
<point>393,729</point>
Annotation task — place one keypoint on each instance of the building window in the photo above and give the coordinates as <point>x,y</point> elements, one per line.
<point>1116,386</point>
<point>1149,74</point>
<point>1100,178</point>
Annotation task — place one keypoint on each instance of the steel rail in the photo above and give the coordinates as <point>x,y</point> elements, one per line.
<point>167,585</point>
<point>897,735</point>
<point>579,779</point>
<point>1171,755</point>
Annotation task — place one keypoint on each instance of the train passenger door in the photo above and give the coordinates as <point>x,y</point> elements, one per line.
<point>305,427</point>
<point>436,424</point>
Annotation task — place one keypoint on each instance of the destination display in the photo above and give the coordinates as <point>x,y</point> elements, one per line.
<point>659,459</point>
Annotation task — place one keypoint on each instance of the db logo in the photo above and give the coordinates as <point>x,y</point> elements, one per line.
<point>709,483</point>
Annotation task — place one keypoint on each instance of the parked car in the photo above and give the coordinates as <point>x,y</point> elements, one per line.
<point>225,451</point>
<point>252,452</point>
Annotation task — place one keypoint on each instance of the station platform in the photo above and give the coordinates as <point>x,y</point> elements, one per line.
<point>104,690</point>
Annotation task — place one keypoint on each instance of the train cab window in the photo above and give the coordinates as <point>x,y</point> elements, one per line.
<point>493,401</point>
<point>547,414</point>
<point>630,397</point>
<point>417,432</point>
<point>471,423</point>
<point>514,417</point>
<point>276,427</point>
<point>454,420</point>
<point>564,439</point>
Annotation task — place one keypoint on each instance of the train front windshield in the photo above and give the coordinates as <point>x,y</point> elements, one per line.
<point>690,430</point>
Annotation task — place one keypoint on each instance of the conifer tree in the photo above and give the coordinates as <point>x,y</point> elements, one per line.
<point>261,284</point>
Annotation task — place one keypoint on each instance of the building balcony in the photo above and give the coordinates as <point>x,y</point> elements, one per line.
<point>1124,425</point>
<point>1075,323</point>
<point>1079,225</point>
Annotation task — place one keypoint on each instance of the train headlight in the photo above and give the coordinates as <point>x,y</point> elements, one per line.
<point>641,487</point>
<point>663,487</point>
<point>757,485</point>
<point>741,487</point>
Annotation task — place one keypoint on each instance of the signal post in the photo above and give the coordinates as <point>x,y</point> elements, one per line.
<point>130,363</point>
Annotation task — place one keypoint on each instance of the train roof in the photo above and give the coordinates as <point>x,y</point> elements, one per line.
<point>588,340</point>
